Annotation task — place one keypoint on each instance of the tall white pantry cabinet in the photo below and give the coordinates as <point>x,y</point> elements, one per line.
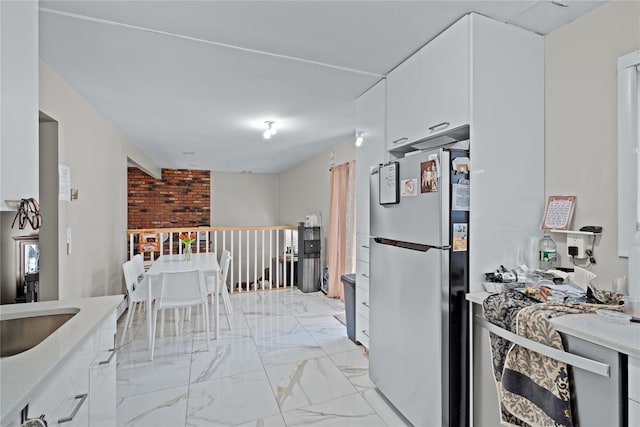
<point>371,123</point>
<point>481,80</point>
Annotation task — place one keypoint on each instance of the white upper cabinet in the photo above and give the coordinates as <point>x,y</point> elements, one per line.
<point>429,92</point>
<point>19,100</point>
<point>446,79</point>
<point>405,101</point>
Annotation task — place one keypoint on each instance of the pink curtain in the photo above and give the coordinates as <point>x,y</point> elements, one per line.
<point>341,236</point>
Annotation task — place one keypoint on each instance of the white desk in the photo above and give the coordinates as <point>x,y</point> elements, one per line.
<point>204,261</point>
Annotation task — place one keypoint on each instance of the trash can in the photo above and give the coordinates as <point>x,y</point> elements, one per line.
<point>349,282</point>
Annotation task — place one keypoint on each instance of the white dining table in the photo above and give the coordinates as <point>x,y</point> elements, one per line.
<point>203,261</point>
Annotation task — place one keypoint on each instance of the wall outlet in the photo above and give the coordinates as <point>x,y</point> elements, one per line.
<point>578,241</point>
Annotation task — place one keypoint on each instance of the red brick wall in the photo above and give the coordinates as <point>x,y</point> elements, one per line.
<point>180,199</point>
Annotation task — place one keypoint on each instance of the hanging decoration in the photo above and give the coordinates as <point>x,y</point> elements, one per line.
<point>28,212</point>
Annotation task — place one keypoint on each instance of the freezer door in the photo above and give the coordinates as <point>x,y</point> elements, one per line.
<point>406,351</point>
<point>421,217</point>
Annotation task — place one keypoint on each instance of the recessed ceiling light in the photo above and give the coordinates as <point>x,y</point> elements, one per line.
<point>271,129</point>
<point>188,153</point>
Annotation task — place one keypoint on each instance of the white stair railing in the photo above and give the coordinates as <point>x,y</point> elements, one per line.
<point>259,260</point>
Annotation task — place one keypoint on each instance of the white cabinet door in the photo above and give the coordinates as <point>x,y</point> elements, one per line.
<point>63,398</point>
<point>102,376</point>
<point>19,99</point>
<point>405,102</point>
<point>446,79</point>
<point>634,413</point>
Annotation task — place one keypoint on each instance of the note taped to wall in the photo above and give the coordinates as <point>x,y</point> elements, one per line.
<point>64,183</point>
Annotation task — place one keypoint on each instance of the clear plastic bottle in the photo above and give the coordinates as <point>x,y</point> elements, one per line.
<point>548,253</point>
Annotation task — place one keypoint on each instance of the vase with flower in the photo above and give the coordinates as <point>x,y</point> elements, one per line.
<point>187,239</point>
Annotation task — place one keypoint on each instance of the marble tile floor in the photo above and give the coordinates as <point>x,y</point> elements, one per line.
<point>286,362</point>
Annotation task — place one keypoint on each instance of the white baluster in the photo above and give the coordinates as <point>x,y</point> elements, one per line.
<point>277,258</point>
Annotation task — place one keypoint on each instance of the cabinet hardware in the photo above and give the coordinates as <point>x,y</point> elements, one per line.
<point>106,362</point>
<point>365,275</point>
<point>365,246</point>
<point>365,304</point>
<point>443,124</point>
<point>399,140</point>
<point>364,331</point>
<point>82,398</point>
<point>562,356</point>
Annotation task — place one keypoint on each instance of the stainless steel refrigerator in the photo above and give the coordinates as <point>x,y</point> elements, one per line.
<point>418,280</point>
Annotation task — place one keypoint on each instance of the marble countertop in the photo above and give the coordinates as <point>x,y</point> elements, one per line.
<point>591,327</point>
<point>21,373</point>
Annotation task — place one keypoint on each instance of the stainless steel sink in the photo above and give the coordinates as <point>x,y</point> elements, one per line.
<point>23,333</point>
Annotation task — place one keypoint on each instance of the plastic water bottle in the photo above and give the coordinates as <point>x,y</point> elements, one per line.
<point>548,254</point>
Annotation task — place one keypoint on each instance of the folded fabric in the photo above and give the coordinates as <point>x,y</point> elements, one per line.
<point>501,309</point>
<point>533,390</point>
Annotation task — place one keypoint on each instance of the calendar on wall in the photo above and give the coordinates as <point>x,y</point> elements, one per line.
<point>558,213</point>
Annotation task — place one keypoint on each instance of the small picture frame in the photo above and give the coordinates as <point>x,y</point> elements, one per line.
<point>149,243</point>
<point>558,213</point>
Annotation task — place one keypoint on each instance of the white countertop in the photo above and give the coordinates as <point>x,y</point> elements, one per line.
<point>21,373</point>
<point>590,327</point>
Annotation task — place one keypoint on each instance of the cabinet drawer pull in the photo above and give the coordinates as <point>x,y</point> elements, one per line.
<point>365,275</point>
<point>443,124</point>
<point>106,362</point>
<point>399,140</point>
<point>82,398</point>
<point>365,304</point>
<point>365,246</point>
<point>364,331</point>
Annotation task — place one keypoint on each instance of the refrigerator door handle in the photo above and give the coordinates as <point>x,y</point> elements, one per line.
<point>409,245</point>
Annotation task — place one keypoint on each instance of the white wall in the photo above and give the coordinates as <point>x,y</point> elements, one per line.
<point>96,152</point>
<point>581,122</point>
<point>304,189</point>
<point>239,199</point>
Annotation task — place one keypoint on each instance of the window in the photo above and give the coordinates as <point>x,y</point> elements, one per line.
<point>628,151</point>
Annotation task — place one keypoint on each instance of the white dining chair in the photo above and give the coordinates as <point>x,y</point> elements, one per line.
<point>225,262</point>
<point>181,289</point>
<point>136,293</point>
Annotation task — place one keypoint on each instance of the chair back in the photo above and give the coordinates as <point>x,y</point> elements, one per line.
<point>182,289</point>
<point>225,262</point>
<point>138,262</point>
<point>130,276</point>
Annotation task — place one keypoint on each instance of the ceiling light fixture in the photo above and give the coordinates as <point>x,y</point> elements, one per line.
<point>271,130</point>
<point>359,139</point>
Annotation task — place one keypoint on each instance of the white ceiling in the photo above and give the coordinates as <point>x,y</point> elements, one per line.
<point>203,76</point>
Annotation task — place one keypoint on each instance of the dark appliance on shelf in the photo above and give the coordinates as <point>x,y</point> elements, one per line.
<point>308,259</point>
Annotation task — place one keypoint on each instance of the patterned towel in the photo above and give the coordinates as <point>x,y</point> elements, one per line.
<point>533,390</point>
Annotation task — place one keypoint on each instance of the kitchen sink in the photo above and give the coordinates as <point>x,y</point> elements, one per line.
<point>23,333</point>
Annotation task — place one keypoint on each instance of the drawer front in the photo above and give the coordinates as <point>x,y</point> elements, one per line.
<point>362,303</point>
<point>362,248</point>
<point>362,281</point>
<point>362,269</point>
<point>362,331</point>
<point>67,390</point>
<point>634,379</point>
